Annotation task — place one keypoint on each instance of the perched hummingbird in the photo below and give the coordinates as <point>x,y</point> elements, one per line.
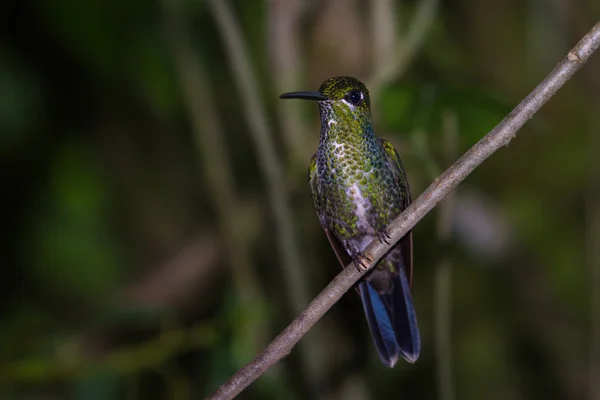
<point>358,187</point>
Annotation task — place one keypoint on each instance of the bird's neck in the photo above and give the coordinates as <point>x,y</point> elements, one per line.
<point>347,141</point>
<point>341,124</point>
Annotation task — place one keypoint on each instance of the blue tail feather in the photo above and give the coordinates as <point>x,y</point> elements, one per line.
<point>392,320</point>
<point>380,325</point>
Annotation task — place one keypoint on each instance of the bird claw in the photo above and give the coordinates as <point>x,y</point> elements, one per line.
<point>383,236</point>
<point>359,262</point>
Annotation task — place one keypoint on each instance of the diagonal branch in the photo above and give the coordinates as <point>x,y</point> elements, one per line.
<point>500,136</point>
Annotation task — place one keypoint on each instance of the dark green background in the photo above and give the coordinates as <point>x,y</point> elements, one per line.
<point>129,273</point>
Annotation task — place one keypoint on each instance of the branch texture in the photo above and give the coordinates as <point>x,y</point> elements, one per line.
<point>500,136</point>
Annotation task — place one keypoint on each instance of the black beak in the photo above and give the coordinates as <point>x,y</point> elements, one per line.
<point>318,96</point>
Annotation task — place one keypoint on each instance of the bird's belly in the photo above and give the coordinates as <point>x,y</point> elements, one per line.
<point>363,209</point>
<point>350,216</point>
<point>356,209</point>
<point>362,242</point>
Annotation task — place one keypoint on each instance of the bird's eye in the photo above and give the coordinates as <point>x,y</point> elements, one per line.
<point>355,97</point>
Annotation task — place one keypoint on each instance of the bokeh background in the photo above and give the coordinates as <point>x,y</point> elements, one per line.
<point>158,231</point>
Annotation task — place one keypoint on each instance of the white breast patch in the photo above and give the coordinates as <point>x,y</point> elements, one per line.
<point>363,207</point>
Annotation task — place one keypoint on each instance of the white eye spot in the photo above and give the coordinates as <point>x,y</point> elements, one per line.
<point>331,122</point>
<point>348,104</point>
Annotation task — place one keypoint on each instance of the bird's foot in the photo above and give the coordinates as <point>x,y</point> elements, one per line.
<point>359,259</point>
<point>383,236</point>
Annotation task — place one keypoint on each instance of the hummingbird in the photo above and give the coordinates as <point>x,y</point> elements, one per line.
<point>358,186</point>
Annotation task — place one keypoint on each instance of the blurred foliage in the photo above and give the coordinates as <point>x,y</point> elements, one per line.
<point>104,186</point>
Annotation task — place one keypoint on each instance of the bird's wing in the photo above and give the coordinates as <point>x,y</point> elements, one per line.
<point>313,182</point>
<point>395,164</point>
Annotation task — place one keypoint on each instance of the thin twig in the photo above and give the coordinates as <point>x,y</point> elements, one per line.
<point>208,135</point>
<point>383,30</point>
<point>175,283</point>
<point>500,136</point>
<point>87,352</point>
<point>284,51</point>
<point>254,111</point>
<point>393,67</point>
<point>265,149</point>
<point>150,354</point>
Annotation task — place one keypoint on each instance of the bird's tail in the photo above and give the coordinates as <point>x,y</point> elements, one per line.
<point>392,319</point>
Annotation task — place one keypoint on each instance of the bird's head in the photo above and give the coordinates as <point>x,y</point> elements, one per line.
<point>342,92</point>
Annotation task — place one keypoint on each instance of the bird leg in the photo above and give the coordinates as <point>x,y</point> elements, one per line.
<point>383,236</point>
<point>358,259</point>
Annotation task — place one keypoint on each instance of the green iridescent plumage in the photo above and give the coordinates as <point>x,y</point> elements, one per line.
<point>359,186</point>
